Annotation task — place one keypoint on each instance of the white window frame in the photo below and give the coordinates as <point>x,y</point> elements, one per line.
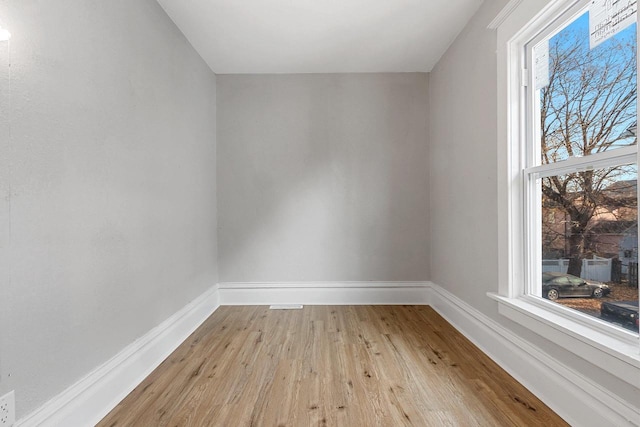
<point>616,350</point>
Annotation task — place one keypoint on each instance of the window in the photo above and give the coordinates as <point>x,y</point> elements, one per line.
<point>580,165</point>
<point>569,185</point>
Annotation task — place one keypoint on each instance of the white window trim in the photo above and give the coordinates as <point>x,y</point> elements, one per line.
<point>614,350</point>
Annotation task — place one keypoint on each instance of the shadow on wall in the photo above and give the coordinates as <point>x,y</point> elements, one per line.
<point>322,177</point>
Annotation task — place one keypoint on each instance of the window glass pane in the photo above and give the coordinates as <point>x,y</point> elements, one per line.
<point>589,224</point>
<point>587,97</point>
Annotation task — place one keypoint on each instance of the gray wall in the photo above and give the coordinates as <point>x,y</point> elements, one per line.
<point>463,161</point>
<point>322,177</point>
<point>107,185</point>
<point>108,178</point>
<point>463,183</point>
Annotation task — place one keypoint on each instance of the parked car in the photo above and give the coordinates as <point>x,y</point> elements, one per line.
<point>562,285</point>
<point>622,312</point>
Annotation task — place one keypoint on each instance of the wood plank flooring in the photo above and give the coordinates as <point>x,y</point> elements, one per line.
<point>329,366</point>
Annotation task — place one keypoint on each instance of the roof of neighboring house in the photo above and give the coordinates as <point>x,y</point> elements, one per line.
<point>615,227</point>
<point>627,187</point>
<point>630,131</point>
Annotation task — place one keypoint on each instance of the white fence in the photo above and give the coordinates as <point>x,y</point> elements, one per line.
<point>592,269</point>
<point>555,265</point>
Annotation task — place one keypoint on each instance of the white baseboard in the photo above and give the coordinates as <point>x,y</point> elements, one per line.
<point>580,401</point>
<point>90,399</point>
<point>577,399</point>
<point>325,293</point>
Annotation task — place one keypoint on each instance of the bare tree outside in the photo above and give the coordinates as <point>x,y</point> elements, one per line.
<point>589,106</point>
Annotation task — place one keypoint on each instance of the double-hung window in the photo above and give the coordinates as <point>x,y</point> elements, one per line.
<point>580,172</point>
<point>569,189</point>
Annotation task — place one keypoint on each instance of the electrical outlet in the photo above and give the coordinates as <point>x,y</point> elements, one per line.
<point>8,410</point>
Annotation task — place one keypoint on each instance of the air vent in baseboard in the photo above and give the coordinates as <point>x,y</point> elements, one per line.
<point>286,307</point>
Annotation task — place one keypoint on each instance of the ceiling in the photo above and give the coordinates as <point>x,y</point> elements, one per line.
<point>320,36</point>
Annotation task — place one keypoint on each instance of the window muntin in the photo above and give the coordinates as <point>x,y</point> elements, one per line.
<point>580,156</point>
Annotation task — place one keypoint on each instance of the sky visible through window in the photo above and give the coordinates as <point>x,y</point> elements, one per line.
<point>589,105</point>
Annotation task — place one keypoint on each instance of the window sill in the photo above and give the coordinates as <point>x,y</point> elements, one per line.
<point>614,350</point>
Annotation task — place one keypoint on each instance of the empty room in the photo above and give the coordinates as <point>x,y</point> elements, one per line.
<point>309,213</point>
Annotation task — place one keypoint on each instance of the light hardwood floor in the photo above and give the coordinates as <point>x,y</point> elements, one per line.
<point>334,366</point>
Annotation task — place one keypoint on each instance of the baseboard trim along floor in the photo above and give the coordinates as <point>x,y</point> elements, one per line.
<point>325,293</point>
<point>575,398</point>
<point>86,402</point>
<point>572,396</point>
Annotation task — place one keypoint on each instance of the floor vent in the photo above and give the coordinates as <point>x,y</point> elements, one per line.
<point>286,307</point>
